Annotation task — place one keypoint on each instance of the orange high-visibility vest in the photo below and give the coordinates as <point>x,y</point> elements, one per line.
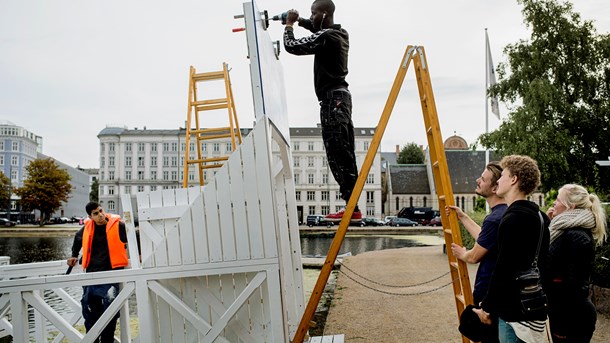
<point>116,248</point>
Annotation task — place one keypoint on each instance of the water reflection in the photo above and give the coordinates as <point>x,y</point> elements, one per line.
<point>35,249</point>
<point>318,245</point>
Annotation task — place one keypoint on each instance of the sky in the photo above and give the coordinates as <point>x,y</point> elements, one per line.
<point>70,68</point>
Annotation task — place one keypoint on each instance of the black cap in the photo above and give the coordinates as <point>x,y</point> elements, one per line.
<point>470,324</point>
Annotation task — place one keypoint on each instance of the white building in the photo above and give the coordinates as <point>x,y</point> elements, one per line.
<point>137,160</point>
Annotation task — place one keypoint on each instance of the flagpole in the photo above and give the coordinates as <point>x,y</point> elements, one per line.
<point>486,104</point>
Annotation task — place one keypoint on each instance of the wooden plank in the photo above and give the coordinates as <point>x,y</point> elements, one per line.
<point>225,212</point>
<point>213,290</point>
<point>315,340</point>
<point>213,222</point>
<point>265,191</point>
<point>146,243</point>
<point>228,296</point>
<point>255,229</point>
<point>189,298</point>
<point>273,306</point>
<point>174,286</point>
<point>172,235</point>
<point>238,200</point>
<point>40,325</point>
<point>185,228</point>
<point>165,212</point>
<point>327,339</point>
<point>19,312</point>
<point>200,239</point>
<point>160,251</point>
<point>338,338</point>
<point>204,310</point>
<point>41,306</point>
<point>132,244</point>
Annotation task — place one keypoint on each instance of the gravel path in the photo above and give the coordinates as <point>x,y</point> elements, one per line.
<point>365,315</point>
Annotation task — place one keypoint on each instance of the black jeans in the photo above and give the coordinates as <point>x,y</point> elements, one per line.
<point>95,301</point>
<point>338,137</point>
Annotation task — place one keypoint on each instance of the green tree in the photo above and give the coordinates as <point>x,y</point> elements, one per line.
<point>45,187</point>
<point>95,189</point>
<point>557,85</point>
<point>410,154</point>
<point>5,191</point>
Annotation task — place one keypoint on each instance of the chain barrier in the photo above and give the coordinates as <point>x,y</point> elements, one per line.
<point>394,293</point>
<point>385,285</point>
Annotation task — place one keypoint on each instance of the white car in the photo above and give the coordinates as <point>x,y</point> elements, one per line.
<point>387,219</point>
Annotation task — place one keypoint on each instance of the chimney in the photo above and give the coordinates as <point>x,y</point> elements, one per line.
<point>397,150</point>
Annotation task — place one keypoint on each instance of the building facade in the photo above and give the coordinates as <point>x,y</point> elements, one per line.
<point>137,160</point>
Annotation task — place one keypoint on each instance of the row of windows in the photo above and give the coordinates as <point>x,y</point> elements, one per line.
<point>167,175</point>
<point>14,146</point>
<point>370,179</point>
<point>14,160</point>
<point>167,147</point>
<point>325,196</point>
<point>296,146</point>
<point>325,209</point>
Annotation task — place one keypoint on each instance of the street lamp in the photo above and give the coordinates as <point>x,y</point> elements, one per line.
<point>604,163</point>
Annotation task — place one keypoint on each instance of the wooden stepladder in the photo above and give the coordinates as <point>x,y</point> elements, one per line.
<point>459,272</point>
<point>195,105</point>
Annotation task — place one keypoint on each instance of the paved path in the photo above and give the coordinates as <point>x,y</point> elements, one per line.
<point>364,315</point>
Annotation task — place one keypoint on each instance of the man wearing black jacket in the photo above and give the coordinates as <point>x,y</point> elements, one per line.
<point>330,45</point>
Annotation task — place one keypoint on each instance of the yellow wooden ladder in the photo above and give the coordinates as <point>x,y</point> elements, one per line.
<point>202,135</point>
<point>459,272</point>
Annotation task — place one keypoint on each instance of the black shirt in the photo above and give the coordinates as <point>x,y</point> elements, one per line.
<point>100,256</point>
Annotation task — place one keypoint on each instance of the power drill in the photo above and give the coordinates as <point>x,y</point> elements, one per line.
<point>281,17</point>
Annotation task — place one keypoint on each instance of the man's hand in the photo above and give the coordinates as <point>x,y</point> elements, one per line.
<point>293,16</point>
<point>458,251</point>
<point>483,316</point>
<point>72,261</point>
<point>458,211</point>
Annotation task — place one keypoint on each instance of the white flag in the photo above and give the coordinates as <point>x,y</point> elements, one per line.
<point>491,79</point>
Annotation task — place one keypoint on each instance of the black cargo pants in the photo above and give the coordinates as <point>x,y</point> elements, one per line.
<point>338,137</point>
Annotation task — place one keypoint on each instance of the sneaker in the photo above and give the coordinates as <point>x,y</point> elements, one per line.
<point>336,217</point>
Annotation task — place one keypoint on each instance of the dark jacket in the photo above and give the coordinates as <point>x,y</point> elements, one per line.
<point>518,237</point>
<point>330,47</point>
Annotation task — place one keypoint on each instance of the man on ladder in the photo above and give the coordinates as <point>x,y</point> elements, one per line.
<point>330,44</point>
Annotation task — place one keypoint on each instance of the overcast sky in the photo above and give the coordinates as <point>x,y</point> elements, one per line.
<point>69,68</point>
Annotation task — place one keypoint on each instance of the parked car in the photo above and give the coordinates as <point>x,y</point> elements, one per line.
<point>6,222</point>
<point>436,221</point>
<point>402,222</point>
<point>387,219</point>
<point>372,222</point>
<point>317,220</point>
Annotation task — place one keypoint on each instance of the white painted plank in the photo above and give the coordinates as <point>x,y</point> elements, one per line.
<point>225,212</point>
<point>177,317</point>
<point>338,338</point>
<point>327,339</point>
<point>255,229</point>
<point>214,289</point>
<point>213,223</point>
<point>190,299</point>
<point>41,306</point>
<point>132,244</point>
<point>263,159</point>
<point>200,239</point>
<point>172,234</point>
<point>315,339</point>
<point>274,306</point>
<point>160,251</point>
<point>146,243</point>
<point>19,317</point>
<point>165,212</point>
<point>40,325</point>
<point>185,228</point>
<point>242,242</point>
<point>204,310</point>
<point>228,296</point>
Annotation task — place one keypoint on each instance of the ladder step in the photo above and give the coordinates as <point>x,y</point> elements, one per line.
<point>448,231</point>
<point>454,265</point>
<point>435,164</point>
<point>210,102</point>
<point>460,298</point>
<point>214,75</point>
<point>211,107</point>
<point>205,160</point>
<point>211,130</point>
<point>210,137</point>
<point>441,198</point>
<point>211,166</point>
<point>429,131</point>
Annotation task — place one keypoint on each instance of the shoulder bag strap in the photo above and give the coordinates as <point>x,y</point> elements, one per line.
<point>535,263</point>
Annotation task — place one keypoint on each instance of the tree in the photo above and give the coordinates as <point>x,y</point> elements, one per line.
<point>410,154</point>
<point>5,191</point>
<point>45,187</point>
<point>557,85</point>
<point>94,194</point>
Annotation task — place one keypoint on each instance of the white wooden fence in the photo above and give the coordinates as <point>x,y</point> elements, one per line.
<point>220,263</point>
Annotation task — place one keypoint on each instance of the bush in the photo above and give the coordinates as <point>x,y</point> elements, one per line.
<point>601,266</point>
<point>467,239</point>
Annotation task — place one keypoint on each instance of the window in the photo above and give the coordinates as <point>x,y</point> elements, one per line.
<point>111,161</point>
<point>140,161</point>
<point>425,201</point>
<point>338,208</point>
<point>410,201</point>
<point>15,146</point>
<point>216,147</point>
<point>182,147</point>
<point>153,174</point>
<point>140,189</point>
<point>297,162</point>
<point>366,146</point>
<point>325,178</point>
<point>463,203</point>
<point>191,146</point>
<point>127,161</point>
<point>474,202</point>
<point>101,175</point>
<point>127,146</point>
<point>457,201</point>
<point>1,160</point>
<point>191,175</point>
<point>229,147</point>
<point>128,175</point>
<point>298,195</point>
<point>295,146</point>
<point>370,179</point>
<point>2,146</point>
<point>111,205</point>
<point>165,147</point>
<point>312,209</point>
<point>141,147</point>
<point>397,203</point>
<point>140,175</point>
<point>325,210</point>
<point>310,146</point>
<point>310,178</point>
<point>204,147</point>
<point>324,195</point>
<point>110,190</point>
<point>153,161</point>
<point>111,175</point>
<point>297,179</point>
<point>324,162</point>
<point>166,161</point>
<point>174,175</point>
<point>153,188</point>
<point>14,160</point>
<point>153,147</point>
<point>165,175</point>
<point>370,197</point>
<point>174,146</point>
<point>14,176</point>
<point>127,189</point>
<point>102,161</point>
<point>174,161</point>
<point>111,147</point>
<point>370,211</point>
<point>338,196</point>
<point>310,161</point>
<point>311,195</point>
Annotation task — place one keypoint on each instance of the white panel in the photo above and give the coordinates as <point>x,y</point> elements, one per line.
<point>189,298</point>
<point>239,206</point>
<point>315,340</point>
<point>265,192</point>
<point>171,230</point>
<point>327,339</point>
<point>160,251</point>
<point>255,229</point>
<point>213,224</point>
<point>228,297</point>
<point>200,239</point>
<point>178,332</point>
<point>146,245</point>
<point>185,228</point>
<point>203,308</point>
<point>226,214</point>
<point>164,212</point>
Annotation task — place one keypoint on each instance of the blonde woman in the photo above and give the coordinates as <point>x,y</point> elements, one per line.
<point>578,224</point>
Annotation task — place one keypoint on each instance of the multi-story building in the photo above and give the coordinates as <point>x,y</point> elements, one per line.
<point>137,160</point>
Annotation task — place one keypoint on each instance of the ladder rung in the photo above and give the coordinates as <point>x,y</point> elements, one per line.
<point>210,137</point>
<point>435,164</point>
<point>210,102</point>
<point>214,75</point>
<point>454,265</point>
<point>429,130</point>
<point>211,130</point>
<point>441,198</point>
<point>211,166</point>
<point>211,107</point>
<point>448,231</point>
<point>460,298</point>
<point>204,160</point>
